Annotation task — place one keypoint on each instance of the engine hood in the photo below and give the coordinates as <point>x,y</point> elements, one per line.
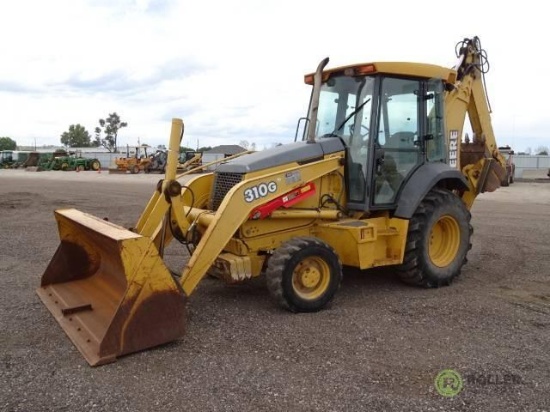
<point>298,152</point>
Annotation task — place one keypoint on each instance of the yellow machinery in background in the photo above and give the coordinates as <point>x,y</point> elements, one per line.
<point>134,162</point>
<point>190,160</point>
<point>382,177</point>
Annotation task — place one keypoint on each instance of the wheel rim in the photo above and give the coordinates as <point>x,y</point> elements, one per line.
<point>444,241</point>
<point>310,278</point>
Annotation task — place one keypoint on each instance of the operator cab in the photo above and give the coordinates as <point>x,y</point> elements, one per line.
<point>390,123</point>
<point>6,156</point>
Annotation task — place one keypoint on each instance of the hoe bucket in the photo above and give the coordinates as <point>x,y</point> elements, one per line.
<point>109,289</point>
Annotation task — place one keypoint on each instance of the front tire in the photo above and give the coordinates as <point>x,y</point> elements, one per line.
<point>303,274</point>
<point>438,241</point>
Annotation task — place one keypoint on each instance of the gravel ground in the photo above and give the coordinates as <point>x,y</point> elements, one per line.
<point>378,347</point>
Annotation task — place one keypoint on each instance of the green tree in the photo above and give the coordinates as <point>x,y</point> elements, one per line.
<point>542,151</point>
<point>7,144</point>
<point>76,136</point>
<point>110,127</point>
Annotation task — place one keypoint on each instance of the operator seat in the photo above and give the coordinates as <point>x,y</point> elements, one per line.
<point>388,174</point>
<point>401,140</point>
<point>358,183</point>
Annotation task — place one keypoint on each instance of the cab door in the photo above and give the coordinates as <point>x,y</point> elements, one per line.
<point>397,148</point>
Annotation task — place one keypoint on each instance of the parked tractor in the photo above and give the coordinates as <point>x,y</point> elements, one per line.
<point>12,159</point>
<point>134,162</point>
<point>158,162</point>
<point>79,163</point>
<point>508,154</point>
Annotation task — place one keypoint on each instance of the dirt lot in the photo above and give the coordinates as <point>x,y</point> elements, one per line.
<point>378,347</point>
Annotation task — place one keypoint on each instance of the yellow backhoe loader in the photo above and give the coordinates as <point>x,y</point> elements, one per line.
<point>189,160</point>
<point>381,177</point>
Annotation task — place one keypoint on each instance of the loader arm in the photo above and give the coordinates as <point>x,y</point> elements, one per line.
<point>171,201</point>
<point>235,210</point>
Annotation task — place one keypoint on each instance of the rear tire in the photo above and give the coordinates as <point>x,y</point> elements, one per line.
<point>303,274</point>
<point>438,241</point>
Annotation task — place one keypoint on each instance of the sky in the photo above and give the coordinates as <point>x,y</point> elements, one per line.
<point>233,70</point>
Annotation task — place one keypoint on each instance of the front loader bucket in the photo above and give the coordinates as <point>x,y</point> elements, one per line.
<point>109,289</point>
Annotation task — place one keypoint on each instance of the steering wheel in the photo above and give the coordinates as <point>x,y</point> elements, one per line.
<point>364,132</point>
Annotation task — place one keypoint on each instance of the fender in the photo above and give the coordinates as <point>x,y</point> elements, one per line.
<point>422,181</point>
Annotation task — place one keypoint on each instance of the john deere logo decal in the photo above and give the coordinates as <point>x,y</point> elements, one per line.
<point>448,383</point>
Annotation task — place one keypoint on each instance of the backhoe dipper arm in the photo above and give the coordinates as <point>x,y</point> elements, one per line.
<point>479,160</point>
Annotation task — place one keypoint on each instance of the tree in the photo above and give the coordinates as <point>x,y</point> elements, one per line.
<point>97,140</point>
<point>76,136</point>
<point>542,151</point>
<point>7,144</point>
<point>110,127</point>
<point>244,144</point>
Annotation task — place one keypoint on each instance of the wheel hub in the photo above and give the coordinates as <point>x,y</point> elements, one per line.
<point>444,241</point>
<point>311,278</point>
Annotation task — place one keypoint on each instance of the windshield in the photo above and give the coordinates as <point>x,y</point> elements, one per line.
<point>345,108</point>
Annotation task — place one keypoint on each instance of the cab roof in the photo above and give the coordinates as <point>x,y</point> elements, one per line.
<point>428,71</point>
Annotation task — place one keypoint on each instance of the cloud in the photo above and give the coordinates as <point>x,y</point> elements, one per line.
<point>233,69</point>
<point>125,83</point>
<point>16,87</point>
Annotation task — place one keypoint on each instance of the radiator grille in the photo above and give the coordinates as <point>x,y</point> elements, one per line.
<point>223,182</point>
